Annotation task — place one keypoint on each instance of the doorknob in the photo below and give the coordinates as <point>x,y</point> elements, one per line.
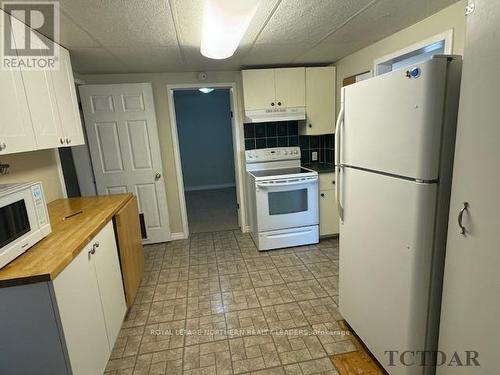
<point>157,176</point>
<point>463,230</point>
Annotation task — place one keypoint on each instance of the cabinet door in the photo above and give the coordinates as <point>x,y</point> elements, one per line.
<point>82,319</point>
<point>320,100</point>
<point>40,95</point>
<point>109,279</point>
<point>67,101</point>
<point>16,131</point>
<point>290,87</point>
<point>258,89</point>
<point>328,213</point>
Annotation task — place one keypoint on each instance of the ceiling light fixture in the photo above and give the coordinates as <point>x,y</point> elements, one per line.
<point>206,90</point>
<point>224,24</point>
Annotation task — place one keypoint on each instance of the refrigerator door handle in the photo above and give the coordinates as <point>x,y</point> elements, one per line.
<point>338,126</point>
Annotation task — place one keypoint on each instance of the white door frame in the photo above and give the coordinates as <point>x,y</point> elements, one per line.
<point>238,148</point>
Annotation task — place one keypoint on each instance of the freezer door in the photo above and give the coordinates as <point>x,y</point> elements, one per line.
<point>386,244</point>
<point>393,123</point>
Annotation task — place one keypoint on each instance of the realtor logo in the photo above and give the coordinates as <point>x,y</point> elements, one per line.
<point>33,47</point>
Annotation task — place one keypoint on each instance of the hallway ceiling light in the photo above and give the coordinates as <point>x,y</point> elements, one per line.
<point>224,24</point>
<point>206,90</point>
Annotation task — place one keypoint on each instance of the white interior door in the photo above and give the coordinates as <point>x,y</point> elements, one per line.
<point>385,262</point>
<point>123,140</point>
<point>471,290</point>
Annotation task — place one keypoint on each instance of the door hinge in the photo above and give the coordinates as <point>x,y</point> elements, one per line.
<point>238,206</point>
<point>470,9</point>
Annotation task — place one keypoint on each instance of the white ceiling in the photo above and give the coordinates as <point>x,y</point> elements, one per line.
<point>118,36</point>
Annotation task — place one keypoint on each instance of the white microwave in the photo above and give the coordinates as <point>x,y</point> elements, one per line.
<point>24,219</point>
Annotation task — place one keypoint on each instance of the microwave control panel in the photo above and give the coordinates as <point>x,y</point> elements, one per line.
<point>40,207</point>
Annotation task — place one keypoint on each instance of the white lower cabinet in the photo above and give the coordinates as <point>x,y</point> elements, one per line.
<point>109,279</point>
<point>91,303</point>
<point>328,211</point>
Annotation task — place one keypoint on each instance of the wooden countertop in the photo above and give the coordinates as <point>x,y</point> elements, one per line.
<point>45,260</point>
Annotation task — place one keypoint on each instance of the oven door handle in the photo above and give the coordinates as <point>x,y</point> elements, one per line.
<point>264,185</point>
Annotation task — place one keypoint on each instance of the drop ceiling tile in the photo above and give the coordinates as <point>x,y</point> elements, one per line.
<point>307,21</point>
<point>95,60</point>
<point>118,23</point>
<point>273,54</point>
<point>150,59</point>
<point>72,36</point>
<point>381,20</point>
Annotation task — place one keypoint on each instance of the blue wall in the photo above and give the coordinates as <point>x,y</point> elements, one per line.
<point>205,137</point>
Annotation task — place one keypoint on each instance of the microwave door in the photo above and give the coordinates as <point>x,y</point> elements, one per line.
<point>288,204</point>
<point>14,222</point>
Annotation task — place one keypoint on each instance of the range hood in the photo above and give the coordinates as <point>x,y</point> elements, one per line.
<point>275,114</point>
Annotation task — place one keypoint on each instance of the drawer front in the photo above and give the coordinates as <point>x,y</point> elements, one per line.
<point>327,181</point>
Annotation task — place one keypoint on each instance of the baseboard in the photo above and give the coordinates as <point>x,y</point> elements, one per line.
<point>209,187</point>
<point>177,236</point>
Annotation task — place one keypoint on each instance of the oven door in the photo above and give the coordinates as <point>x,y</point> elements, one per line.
<point>287,203</point>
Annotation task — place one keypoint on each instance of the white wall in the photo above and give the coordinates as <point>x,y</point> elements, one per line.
<point>34,166</point>
<point>452,17</point>
<point>160,82</point>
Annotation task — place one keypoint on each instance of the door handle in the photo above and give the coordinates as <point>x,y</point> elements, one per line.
<point>157,176</point>
<point>463,230</point>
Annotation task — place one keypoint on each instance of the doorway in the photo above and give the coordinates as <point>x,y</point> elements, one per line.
<point>206,136</point>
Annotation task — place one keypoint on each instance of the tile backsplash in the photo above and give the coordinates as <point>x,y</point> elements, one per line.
<point>286,134</point>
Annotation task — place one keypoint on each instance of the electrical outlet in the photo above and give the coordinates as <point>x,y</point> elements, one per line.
<point>314,156</point>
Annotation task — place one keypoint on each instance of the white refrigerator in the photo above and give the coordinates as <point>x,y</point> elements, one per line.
<point>394,149</point>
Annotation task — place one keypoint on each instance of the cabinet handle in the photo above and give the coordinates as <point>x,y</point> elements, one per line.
<point>279,103</point>
<point>3,146</point>
<point>310,125</point>
<point>323,195</point>
<point>67,141</point>
<point>96,244</point>
<point>333,182</point>
<point>92,251</point>
<point>61,140</point>
<point>463,230</point>
<point>272,104</point>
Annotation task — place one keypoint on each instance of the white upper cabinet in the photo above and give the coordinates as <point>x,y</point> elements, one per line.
<point>290,86</point>
<point>273,88</point>
<point>39,107</point>
<point>16,130</point>
<point>320,101</point>
<point>67,101</point>
<point>258,88</point>
<point>41,96</point>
